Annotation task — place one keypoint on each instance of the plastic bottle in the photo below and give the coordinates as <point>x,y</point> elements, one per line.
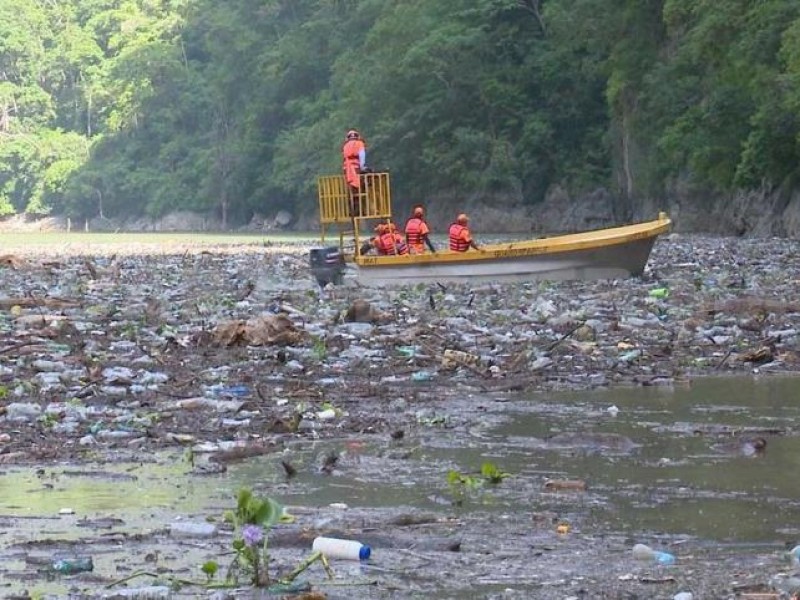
<point>77,564</point>
<point>794,556</point>
<point>787,585</point>
<point>151,592</point>
<point>192,529</point>
<point>642,552</point>
<point>327,414</point>
<point>235,391</point>
<point>345,549</point>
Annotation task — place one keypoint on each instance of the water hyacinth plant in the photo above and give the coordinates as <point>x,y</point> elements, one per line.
<point>462,485</point>
<point>252,519</point>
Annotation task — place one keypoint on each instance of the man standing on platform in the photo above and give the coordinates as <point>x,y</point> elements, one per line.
<point>354,163</point>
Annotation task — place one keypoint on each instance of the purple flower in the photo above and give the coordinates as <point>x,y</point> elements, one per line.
<point>252,535</point>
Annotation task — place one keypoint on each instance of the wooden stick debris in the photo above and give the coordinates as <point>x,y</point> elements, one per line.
<point>553,345</point>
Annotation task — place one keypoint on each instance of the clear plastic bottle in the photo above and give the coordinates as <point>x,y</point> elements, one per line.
<point>643,552</point>
<point>76,564</point>
<point>794,556</point>
<point>345,549</point>
<point>787,584</point>
<point>150,592</point>
<point>192,529</point>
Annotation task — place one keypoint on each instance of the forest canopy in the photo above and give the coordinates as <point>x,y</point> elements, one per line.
<point>124,108</point>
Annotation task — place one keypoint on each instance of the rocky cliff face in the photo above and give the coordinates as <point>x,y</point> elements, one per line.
<point>755,213</point>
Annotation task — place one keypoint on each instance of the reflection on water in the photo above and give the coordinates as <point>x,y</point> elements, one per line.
<point>121,489</point>
<point>673,481</point>
<point>677,481</point>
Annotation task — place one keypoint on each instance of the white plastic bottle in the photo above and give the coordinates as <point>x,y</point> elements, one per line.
<point>345,549</point>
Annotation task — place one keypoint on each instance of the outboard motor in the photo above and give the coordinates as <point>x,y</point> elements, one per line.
<point>327,265</point>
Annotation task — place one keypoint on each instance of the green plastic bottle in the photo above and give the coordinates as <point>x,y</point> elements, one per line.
<point>68,566</point>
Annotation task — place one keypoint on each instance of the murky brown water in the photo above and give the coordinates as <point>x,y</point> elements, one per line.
<point>677,481</point>
<point>686,474</point>
<point>674,482</point>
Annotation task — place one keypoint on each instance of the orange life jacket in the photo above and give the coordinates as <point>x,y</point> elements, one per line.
<point>416,230</point>
<point>400,244</point>
<point>392,243</point>
<point>457,241</point>
<point>351,163</point>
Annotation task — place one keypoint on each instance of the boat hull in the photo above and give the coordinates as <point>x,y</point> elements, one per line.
<point>611,253</point>
<point>605,263</point>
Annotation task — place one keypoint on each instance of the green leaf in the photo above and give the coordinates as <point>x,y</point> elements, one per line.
<point>492,474</point>
<point>269,513</point>
<point>210,568</point>
<point>243,500</point>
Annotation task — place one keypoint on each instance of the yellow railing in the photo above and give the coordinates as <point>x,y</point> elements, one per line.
<point>343,207</point>
<point>334,200</point>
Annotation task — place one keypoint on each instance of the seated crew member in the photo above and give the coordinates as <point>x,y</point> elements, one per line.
<point>392,242</point>
<point>460,236</point>
<point>417,231</point>
<point>374,241</point>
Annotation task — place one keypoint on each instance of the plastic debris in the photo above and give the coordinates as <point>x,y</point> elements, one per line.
<point>644,552</point>
<point>344,549</point>
<point>565,484</point>
<point>72,565</point>
<point>192,529</point>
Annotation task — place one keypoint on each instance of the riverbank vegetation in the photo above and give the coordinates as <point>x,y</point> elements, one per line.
<point>127,108</point>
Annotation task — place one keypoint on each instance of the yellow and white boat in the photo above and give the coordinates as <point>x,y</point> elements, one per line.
<point>614,252</point>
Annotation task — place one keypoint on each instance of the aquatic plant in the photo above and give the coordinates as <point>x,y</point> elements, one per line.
<point>463,485</point>
<point>252,519</point>
<point>319,348</point>
<point>48,420</point>
<point>492,474</point>
<point>210,568</point>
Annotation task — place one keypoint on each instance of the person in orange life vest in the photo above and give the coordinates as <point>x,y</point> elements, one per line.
<point>417,231</point>
<point>374,241</point>
<point>460,238</point>
<point>391,242</point>
<point>354,162</point>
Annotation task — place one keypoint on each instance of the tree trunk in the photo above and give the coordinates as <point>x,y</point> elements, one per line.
<point>224,209</point>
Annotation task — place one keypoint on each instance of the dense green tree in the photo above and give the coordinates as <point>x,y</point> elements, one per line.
<point>719,100</point>
<point>139,107</point>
